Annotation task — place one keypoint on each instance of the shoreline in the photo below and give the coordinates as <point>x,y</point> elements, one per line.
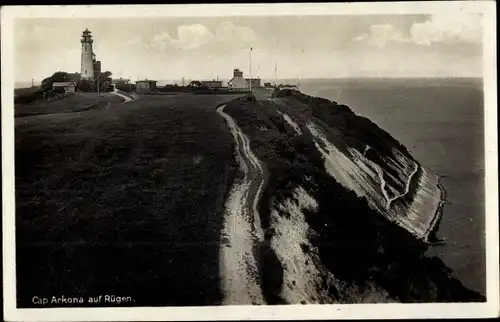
<point>427,205</point>
<point>434,227</point>
<point>431,237</point>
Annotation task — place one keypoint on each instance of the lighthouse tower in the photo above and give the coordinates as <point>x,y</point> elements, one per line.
<point>87,71</point>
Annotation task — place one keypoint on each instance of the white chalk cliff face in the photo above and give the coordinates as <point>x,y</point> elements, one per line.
<point>321,183</point>
<point>393,184</point>
<point>368,179</point>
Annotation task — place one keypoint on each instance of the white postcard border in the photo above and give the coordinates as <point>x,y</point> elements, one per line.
<point>345,311</point>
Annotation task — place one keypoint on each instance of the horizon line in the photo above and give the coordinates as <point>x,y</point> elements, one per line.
<point>302,78</point>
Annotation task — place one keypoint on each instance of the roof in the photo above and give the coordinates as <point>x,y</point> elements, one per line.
<point>146,81</point>
<point>238,82</point>
<point>62,84</point>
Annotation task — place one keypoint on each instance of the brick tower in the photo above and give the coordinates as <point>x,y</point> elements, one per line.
<point>87,71</point>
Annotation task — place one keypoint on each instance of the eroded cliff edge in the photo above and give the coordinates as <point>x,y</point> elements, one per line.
<point>346,212</point>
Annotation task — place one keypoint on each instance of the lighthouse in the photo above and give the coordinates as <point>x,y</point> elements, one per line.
<point>88,56</point>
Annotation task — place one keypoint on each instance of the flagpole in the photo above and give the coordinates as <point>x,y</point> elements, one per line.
<point>275,72</point>
<point>250,83</point>
<point>96,76</point>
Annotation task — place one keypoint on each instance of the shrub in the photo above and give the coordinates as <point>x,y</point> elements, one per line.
<point>248,98</point>
<point>122,86</point>
<point>56,77</point>
<point>85,86</point>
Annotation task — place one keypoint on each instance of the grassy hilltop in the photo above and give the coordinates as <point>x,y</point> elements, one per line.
<point>67,103</point>
<point>126,200</point>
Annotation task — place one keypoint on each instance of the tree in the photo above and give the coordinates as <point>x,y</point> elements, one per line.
<point>85,85</point>
<point>123,86</point>
<point>56,77</point>
<point>104,81</point>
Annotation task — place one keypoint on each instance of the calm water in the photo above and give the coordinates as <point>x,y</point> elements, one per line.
<point>441,124</point>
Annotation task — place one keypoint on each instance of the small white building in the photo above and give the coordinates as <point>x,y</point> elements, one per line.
<point>238,82</point>
<point>212,83</point>
<point>145,86</point>
<point>68,86</point>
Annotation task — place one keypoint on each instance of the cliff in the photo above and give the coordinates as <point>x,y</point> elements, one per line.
<point>342,213</point>
<point>367,160</point>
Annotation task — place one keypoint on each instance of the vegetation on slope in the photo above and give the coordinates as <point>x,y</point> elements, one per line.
<point>346,131</point>
<point>358,131</point>
<point>357,244</point>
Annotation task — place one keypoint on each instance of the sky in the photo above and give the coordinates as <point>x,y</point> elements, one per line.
<point>301,46</point>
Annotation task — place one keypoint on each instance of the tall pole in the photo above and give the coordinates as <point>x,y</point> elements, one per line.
<point>250,83</point>
<point>96,74</point>
<point>275,72</point>
<point>300,71</point>
<point>276,64</point>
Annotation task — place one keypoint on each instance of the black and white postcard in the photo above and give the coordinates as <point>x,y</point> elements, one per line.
<point>250,161</point>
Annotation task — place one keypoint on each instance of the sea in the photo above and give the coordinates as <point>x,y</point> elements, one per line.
<point>441,122</point>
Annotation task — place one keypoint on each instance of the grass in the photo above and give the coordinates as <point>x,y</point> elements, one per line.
<point>67,103</point>
<point>18,92</point>
<point>126,201</point>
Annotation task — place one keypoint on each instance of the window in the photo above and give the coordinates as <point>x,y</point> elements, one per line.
<point>85,72</point>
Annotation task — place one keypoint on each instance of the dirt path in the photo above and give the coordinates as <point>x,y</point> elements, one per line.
<point>242,229</point>
<point>407,187</point>
<point>126,98</point>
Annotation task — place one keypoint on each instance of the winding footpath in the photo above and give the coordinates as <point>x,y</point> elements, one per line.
<point>383,184</point>
<point>349,173</point>
<point>242,230</point>
<point>407,187</point>
<point>125,97</point>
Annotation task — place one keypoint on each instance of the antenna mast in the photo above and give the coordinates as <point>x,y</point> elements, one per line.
<point>250,83</point>
<point>275,72</point>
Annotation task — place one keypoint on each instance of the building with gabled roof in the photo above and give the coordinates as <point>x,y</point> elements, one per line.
<point>68,87</point>
<point>238,82</point>
<point>145,86</point>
